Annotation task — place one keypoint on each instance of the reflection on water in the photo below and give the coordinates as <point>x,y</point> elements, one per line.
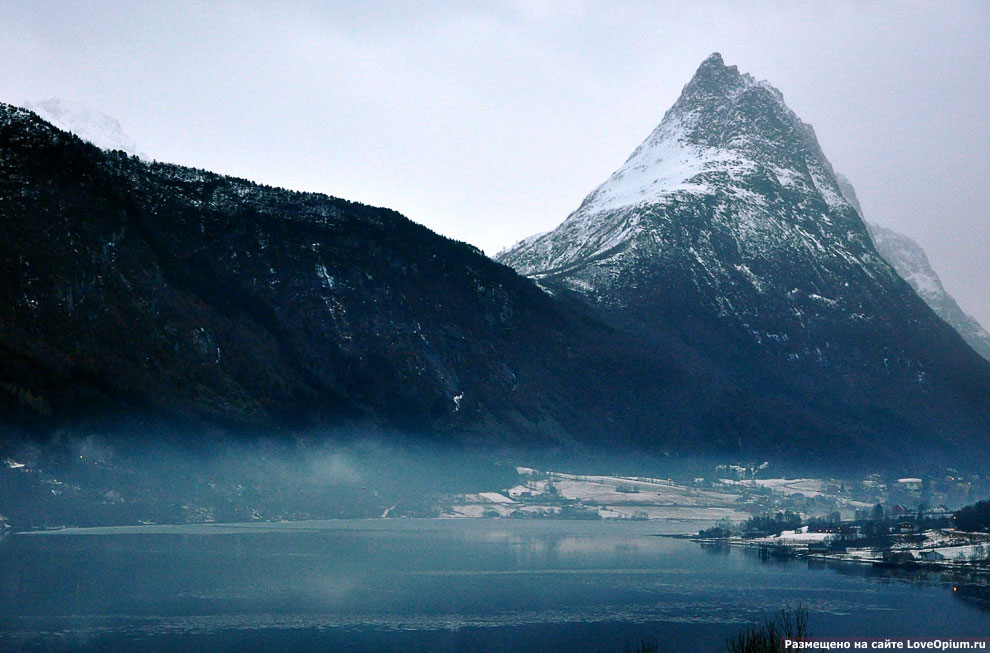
<point>716,548</point>
<point>975,596</point>
<point>440,585</point>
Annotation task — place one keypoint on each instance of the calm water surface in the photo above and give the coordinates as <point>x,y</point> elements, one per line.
<point>432,585</point>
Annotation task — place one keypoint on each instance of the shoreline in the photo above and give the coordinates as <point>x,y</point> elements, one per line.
<point>780,550</point>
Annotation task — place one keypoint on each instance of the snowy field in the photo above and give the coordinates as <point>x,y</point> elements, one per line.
<point>553,494</point>
<point>808,487</point>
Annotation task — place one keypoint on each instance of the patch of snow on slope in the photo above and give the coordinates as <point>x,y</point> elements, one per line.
<point>925,284</point>
<point>828,190</point>
<point>495,497</point>
<point>752,278</point>
<point>785,176</point>
<point>525,242</point>
<point>809,487</point>
<point>804,536</point>
<point>665,164</point>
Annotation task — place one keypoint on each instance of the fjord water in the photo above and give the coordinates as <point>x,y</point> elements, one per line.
<point>428,585</point>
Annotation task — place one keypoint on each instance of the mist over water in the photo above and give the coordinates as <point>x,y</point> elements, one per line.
<point>104,481</point>
<point>101,481</point>
<point>272,543</point>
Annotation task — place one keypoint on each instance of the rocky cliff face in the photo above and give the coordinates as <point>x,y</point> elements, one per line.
<point>726,231</point>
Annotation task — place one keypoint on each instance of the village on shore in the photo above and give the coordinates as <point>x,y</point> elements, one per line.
<point>872,520</point>
<point>903,541</point>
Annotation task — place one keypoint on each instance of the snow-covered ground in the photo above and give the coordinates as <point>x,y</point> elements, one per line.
<point>495,497</point>
<point>956,547</point>
<point>808,487</point>
<point>802,536</point>
<point>672,513</point>
<point>618,489</point>
<point>549,494</point>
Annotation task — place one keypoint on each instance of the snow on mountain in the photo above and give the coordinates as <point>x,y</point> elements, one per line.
<point>726,234</point>
<point>848,192</point>
<point>739,307</point>
<point>668,162</point>
<point>88,124</point>
<point>728,159</point>
<point>911,263</point>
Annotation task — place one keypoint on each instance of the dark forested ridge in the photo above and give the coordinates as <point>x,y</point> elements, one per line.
<point>140,297</point>
<point>156,291</point>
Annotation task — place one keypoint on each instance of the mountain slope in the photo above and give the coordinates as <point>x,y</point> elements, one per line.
<point>726,231</point>
<point>155,292</point>
<point>911,263</point>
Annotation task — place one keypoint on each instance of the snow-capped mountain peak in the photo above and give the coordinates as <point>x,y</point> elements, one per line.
<point>723,125</point>
<point>728,233</point>
<point>729,140</point>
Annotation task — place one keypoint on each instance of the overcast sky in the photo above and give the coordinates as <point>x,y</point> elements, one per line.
<point>491,121</point>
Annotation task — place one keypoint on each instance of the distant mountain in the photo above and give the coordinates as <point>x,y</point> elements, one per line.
<point>911,263</point>
<point>726,232</point>
<point>88,124</point>
<point>848,192</point>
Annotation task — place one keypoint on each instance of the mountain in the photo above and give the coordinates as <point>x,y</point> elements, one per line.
<point>726,233</point>
<point>909,259</point>
<point>88,124</point>
<point>911,263</point>
<point>734,306</point>
<point>153,295</point>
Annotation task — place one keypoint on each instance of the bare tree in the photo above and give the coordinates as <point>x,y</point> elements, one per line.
<point>790,623</point>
